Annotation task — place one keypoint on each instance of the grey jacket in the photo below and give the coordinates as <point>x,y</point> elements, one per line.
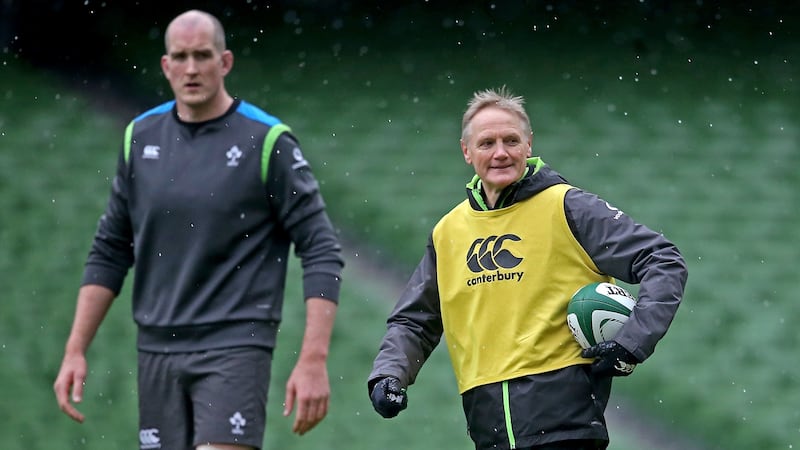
<point>554,404</point>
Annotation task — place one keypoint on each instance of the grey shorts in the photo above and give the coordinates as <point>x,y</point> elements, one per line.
<point>216,396</point>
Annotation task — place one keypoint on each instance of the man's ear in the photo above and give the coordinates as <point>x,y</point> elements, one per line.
<point>164,63</point>
<point>465,152</point>
<point>227,62</point>
<point>530,145</point>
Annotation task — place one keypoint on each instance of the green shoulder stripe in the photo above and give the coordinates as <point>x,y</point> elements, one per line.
<point>269,142</point>
<point>128,135</point>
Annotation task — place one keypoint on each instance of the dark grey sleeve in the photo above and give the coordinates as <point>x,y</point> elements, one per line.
<point>111,254</point>
<point>414,327</point>
<point>635,254</point>
<point>300,208</point>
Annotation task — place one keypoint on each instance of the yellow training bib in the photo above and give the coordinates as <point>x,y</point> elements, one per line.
<point>505,277</point>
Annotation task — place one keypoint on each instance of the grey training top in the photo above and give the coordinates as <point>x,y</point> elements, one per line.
<point>206,213</point>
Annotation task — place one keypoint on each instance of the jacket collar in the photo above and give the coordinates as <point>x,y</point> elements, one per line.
<point>537,177</point>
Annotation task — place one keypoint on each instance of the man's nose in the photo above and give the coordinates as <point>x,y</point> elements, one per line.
<point>500,150</point>
<point>191,65</point>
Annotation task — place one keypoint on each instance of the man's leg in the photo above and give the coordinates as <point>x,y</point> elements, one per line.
<point>228,389</point>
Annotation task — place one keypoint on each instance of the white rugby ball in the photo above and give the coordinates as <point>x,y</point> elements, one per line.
<point>597,311</point>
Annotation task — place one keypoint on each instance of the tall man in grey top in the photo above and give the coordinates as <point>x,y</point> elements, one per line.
<point>209,195</point>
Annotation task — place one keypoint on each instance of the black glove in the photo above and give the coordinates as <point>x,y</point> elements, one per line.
<point>388,397</point>
<point>613,360</point>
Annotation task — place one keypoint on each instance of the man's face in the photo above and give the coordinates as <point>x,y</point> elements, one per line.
<point>194,67</point>
<point>497,146</point>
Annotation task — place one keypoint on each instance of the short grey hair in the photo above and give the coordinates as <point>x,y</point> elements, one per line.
<point>501,98</point>
<point>193,17</point>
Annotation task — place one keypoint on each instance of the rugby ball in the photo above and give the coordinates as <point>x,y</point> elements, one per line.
<point>597,311</point>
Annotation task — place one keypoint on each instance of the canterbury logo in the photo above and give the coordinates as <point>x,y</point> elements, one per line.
<point>624,368</point>
<point>617,212</point>
<point>151,152</point>
<point>148,438</point>
<point>489,254</point>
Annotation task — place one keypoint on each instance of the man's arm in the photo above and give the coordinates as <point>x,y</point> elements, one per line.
<point>92,305</point>
<point>308,384</point>
<point>414,327</point>
<point>631,252</point>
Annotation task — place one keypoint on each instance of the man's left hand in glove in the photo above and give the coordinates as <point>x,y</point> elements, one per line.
<point>612,359</point>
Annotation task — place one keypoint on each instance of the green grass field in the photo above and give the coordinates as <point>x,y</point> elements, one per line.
<point>698,142</point>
